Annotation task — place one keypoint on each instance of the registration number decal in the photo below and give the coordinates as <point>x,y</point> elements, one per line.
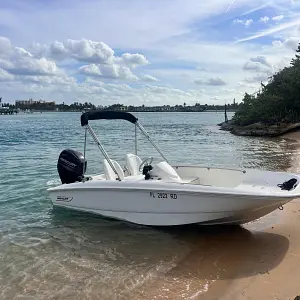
<point>163,195</point>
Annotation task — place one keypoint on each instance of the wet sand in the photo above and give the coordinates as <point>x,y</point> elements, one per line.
<point>275,282</point>
<point>276,271</point>
<point>293,135</point>
<point>257,261</point>
<point>219,258</point>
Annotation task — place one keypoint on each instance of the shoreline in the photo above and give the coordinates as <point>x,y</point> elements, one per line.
<point>255,261</point>
<point>133,111</point>
<point>293,135</point>
<point>280,282</point>
<point>259,129</point>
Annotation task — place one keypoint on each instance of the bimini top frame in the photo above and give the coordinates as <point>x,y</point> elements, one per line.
<point>107,115</point>
<point>114,115</point>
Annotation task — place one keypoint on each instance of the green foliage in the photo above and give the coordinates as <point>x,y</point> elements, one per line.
<point>51,106</point>
<point>277,101</point>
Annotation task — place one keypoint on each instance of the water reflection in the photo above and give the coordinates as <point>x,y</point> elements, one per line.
<point>274,154</point>
<point>116,260</point>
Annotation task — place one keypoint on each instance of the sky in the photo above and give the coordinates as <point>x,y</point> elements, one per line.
<point>151,52</point>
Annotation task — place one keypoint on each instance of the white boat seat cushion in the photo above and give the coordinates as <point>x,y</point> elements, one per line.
<point>166,172</point>
<point>133,163</point>
<point>109,172</point>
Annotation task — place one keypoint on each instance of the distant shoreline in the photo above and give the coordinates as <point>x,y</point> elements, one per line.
<point>135,111</point>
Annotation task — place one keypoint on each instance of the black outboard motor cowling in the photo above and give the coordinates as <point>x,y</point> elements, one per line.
<point>71,166</point>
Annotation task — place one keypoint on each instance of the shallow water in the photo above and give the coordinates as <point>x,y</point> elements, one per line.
<point>57,254</point>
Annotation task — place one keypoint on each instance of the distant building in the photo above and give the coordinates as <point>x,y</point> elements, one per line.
<point>31,102</point>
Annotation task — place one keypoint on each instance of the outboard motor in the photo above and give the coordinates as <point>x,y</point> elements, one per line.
<point>71,166</point>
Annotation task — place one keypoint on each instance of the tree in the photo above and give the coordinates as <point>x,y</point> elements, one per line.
<point>277,101</point>
<point>296,60</point>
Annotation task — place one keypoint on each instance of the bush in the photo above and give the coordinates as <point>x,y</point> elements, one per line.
<point>278,101</point>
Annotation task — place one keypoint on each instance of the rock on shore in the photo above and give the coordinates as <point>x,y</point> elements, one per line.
<point>259,129</point>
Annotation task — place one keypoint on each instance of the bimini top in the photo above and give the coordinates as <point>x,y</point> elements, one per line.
<point>106,115</point>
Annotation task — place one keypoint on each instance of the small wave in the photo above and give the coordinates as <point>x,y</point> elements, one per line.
<point>53,182</point>
<point>205,289</point>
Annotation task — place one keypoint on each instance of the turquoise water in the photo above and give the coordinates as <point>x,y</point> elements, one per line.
<point>48,254</point>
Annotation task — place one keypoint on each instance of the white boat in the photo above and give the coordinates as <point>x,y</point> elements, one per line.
<point>158,193</point>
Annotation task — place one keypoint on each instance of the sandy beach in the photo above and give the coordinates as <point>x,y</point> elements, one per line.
<point>257,261</point>
<point>276,269</point>
<point>281,266</point>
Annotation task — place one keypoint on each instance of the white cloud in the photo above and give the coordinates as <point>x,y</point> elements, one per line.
<point>5,64</point>
<point>5,47</point>
<point>216,81</point>
<point>33,73</point>
<point>148,78</point>
<point>82,50</point>
<point>18,61</point>
<point>227,90</point>
<point>261,59</point>
<point>255,66</point>
<point>140,23</point>
<point>244,84</point>
<point>108,71</point>
<point>278,18</point>
<point>87,51</point>
<point>247,22</point>
<point>174,44</point>
<point>91,70</point>
<point>101,59</point>
<point>47,80</point>
<point>218,98</point>
<point>29,66</point>
<point>132,60</point>
<point>238,21</point>
<point>292,42</point>
<point>211,81</point>
<point>40,62</point>
<point>277,43</point>
<point>5,76</point>
<point>258,64</point>
<point>264,19</point>
<point>257,78</point>
<point>102,93</point>
<point>199,81</point>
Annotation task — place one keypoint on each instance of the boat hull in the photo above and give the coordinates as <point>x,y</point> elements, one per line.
<point>166,207</point>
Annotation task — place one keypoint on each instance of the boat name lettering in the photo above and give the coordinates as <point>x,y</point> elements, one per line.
<point>64,198</point>
<point>163,195</point>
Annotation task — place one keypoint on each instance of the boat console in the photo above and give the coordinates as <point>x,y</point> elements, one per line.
<point>163,171</point>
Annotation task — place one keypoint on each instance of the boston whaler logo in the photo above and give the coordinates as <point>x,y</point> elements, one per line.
<point>64,198</point>
<point>70,164</point>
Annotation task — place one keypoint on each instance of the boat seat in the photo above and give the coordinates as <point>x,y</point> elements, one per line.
<point>191,180</point>
<point>133,163</point>
<point>166,172</point>
<point>109,172</point>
